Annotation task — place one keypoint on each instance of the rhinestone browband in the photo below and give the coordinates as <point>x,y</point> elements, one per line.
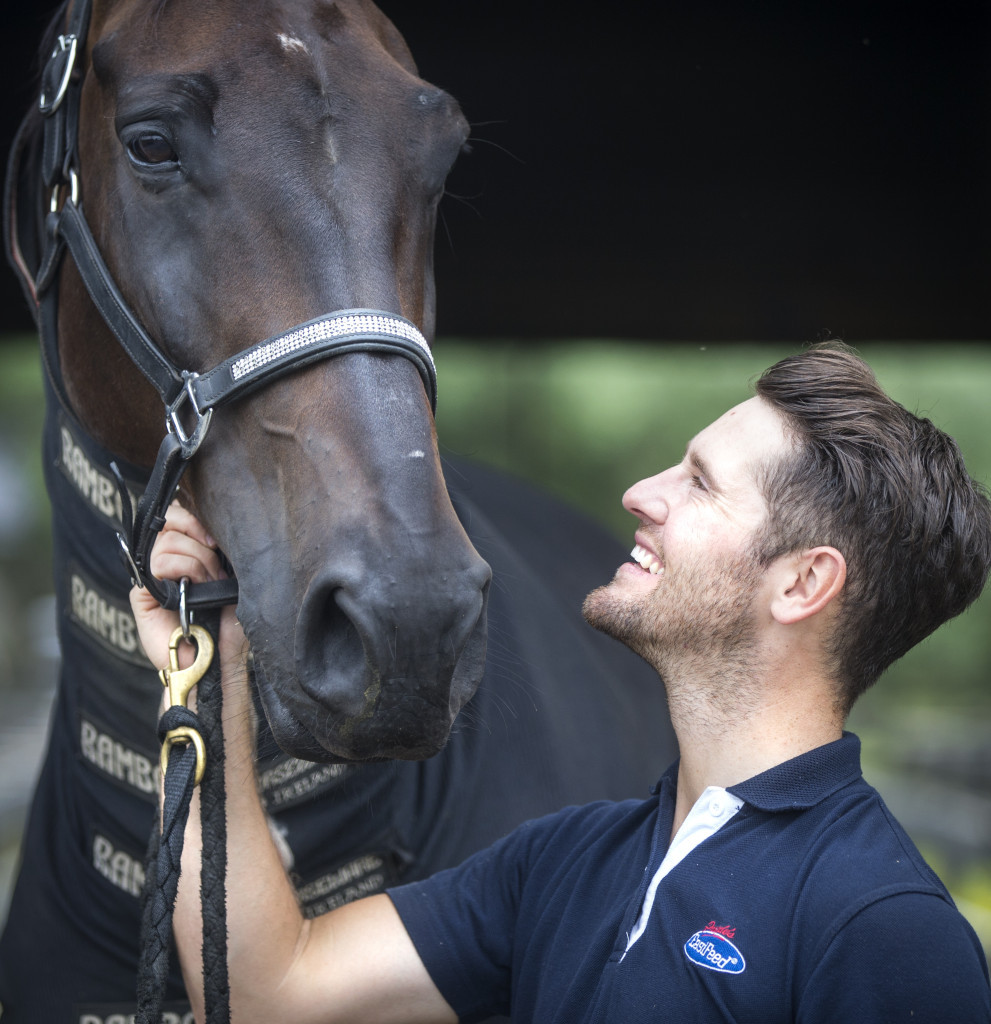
<point>322,330</point>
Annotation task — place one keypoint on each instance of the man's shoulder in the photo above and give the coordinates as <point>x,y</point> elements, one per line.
<point>820,864</point>
<point>834,830</point>
<point>903,949</point>
<point>858,863</point>
<point>855,904</point>
<point>856,828</point>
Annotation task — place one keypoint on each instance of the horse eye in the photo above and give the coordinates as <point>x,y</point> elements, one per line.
<point>152,148</point>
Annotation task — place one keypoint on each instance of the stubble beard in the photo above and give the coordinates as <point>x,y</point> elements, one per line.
<point>697,628</point>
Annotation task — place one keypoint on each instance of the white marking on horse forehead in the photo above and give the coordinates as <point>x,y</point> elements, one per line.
<point>289,42</point>
<point>416,454</point>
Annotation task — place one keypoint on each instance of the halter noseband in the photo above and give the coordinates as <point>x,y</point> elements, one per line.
<point>188,397</point>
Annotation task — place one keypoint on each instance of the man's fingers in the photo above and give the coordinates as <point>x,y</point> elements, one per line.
<point>143,602</point>
<point>155,626</point>
<point>177,518</point>
<point>182,550</point>
<point>170,565</point>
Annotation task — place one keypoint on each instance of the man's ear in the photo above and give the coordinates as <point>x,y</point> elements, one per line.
<point>808,581</point>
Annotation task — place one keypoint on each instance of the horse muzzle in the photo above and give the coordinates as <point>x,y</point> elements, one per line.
<point>381,668</point>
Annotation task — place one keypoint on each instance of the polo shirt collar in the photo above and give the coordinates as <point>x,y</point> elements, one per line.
<point>793,785</point>
<point>806,780</point>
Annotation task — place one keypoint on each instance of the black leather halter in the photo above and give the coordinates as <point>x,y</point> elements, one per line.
<point>189,398</point>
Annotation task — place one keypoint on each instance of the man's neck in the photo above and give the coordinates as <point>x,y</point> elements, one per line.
<point>722,744</point>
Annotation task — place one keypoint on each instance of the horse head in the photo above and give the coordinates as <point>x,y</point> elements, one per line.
<point>246,166</point>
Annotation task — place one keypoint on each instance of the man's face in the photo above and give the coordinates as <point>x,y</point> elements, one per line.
<point>690,590</point>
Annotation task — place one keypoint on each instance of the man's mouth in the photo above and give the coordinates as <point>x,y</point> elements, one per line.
<point>647,561</point>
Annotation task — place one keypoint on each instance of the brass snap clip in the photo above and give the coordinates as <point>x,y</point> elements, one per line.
<point>180,682</point>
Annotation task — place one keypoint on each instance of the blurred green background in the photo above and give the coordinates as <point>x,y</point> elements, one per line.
<point>585,419</point>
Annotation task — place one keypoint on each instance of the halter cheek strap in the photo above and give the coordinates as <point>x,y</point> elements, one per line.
<point>189,398</point>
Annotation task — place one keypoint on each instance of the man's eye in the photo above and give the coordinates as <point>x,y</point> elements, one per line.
<point>698,482</point>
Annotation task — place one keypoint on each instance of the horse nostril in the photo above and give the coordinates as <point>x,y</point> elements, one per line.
<point>329,644</point>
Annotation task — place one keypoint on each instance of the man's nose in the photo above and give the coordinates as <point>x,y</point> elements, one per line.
<point>646,499</point>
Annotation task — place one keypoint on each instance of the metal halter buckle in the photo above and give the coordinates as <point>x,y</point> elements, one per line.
<point>65,45</point>
<point>73,196</point>
<point>189,443</point>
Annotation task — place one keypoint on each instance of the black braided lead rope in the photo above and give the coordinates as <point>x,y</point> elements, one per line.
<point>162,871</point>
<point>213,815</point>
<point>165,856</point>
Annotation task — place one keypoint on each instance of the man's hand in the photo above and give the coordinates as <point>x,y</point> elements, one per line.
<point>183,548</point>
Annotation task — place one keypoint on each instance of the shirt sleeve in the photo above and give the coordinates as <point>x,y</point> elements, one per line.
<point>463,920</point>
<point>910,956</point>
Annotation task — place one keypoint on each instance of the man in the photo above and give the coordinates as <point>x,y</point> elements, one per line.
<point>809,537</point>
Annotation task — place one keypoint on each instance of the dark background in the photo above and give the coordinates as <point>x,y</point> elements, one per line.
<point>712,170</point>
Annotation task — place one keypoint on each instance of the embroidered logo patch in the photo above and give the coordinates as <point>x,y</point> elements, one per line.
<point>711,948</point>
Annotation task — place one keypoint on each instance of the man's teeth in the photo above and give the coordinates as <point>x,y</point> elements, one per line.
<point>646,560</point>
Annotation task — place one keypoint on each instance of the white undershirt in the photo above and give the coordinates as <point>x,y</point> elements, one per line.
<point>711,811</point>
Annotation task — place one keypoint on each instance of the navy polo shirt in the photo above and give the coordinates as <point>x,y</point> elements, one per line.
<point>809,903</point>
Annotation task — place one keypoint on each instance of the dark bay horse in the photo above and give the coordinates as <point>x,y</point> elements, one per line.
<point>247,167</point>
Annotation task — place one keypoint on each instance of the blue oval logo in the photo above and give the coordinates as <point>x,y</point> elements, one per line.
<point>715,952</point>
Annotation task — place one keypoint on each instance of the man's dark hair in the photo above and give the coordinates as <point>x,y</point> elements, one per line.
<point>886,488</point>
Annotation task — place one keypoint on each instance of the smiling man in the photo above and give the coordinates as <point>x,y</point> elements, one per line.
<point>809,537</point>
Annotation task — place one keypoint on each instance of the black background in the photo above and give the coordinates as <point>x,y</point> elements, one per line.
<point>704,170</point>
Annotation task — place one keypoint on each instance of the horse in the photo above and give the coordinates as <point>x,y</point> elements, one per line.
<point>234,171</point>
